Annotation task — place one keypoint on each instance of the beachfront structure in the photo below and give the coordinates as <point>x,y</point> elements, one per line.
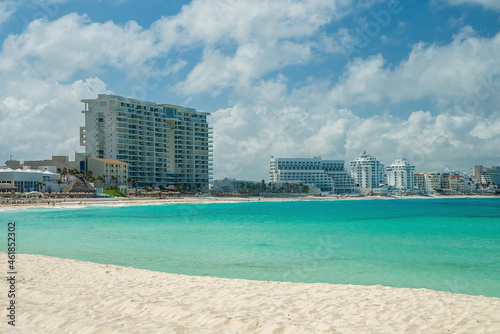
<point>115,172</point>
<point>419,182</point>
<point>400,174</point>
<point>328,175</point>
<point>487,175</point>
<point>367,172</point>
<point>432,182</point>
<point>163,144</point>
<point>230,185</point>
<point>59,161</point>
<point>25,180</point>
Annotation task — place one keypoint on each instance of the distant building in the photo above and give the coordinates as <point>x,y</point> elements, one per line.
<point>432,182</point>
<point>328,175</point>
<point>115,172</point>
<point>59,161</point>
<point>163,144</point>
<point>228,185</point>
<point>487,175</point>
<point>23,180</point>
<point>400,174</point>
<point>419,182</point>
<point>367,172</point>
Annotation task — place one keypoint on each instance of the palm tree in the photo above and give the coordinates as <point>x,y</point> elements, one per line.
<point>59,181</point>
<point>133,182</point>
<point>102,180</point>
<point>114,180</point>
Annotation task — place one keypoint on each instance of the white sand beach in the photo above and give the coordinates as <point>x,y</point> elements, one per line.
<point>67,296</point>
<point>132,201</point>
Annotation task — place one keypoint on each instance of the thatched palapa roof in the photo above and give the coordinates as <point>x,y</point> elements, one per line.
<point>79,185</point>
<point>7,187</point>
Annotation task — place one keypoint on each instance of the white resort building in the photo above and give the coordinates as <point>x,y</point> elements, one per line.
<point>487,175</point>
<point>400,174</point>
<point>367,172</point>
<point>328,175</point>
<point>162,144</point>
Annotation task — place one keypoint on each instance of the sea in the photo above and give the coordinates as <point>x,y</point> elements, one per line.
<point>441,244</point>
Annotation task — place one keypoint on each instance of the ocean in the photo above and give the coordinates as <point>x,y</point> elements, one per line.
<point>440,244</point>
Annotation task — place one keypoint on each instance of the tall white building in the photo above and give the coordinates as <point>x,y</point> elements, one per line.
<point>367,172</point>
<point>328,175</point>
<point>400,174</point>
<point>487,175</point>
<point>163,144</point>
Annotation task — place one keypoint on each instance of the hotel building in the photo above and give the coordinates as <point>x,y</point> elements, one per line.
<point>400,174</point>
<point>162,144</point>
<point>367,172</point>
<point>487,175</point>
<point>328,175</point>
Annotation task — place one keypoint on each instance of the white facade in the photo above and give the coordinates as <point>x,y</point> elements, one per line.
<point>432,182</point>
<point>24,180</point>
<point>163,144</point>
<point>328,175</point>
<point>367,172</point>
<point>400,174</point>
<point>487,175</point>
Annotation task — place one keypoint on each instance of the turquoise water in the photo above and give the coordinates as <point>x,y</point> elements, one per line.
<point>449,245</point>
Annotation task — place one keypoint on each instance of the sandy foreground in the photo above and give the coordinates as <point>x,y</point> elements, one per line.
<point>66,296</point>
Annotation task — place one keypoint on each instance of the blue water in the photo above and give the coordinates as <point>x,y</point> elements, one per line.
<point>449,245</point>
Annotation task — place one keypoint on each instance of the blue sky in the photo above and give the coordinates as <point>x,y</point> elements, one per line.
<point>330,78</point>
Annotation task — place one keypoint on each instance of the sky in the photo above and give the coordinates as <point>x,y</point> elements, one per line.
<point>286,78</point>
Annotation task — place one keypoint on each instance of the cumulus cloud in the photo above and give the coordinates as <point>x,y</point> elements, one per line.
<point>463,72</point>
<point>41,117</point>
<point>247,136</point>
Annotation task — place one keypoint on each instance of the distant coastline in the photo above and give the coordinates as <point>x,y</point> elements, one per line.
<point>73,202</point>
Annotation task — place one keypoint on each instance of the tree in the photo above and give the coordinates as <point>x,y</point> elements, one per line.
<point>161,187</point>
<point>133,182</point>
<point>102,180</point>
<point>114,180</point>
<point>59,181</point>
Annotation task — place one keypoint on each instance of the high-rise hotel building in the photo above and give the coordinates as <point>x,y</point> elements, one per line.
<point>367,171</point>
<point>163,144</point>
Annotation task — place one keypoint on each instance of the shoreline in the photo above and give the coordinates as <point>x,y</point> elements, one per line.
<point>62,295</point>
<point>134,201</point>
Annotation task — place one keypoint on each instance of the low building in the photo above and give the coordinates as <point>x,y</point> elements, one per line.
<point>115,172</point>
<point>23,180</point>
<point>328,175</point>
<point>59,161</point>
<point>419,182</point>
<point>229,185</point>
<point>432,182</point>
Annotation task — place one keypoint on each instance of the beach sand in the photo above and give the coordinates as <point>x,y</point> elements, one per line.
<point>67,296</point>
<point>117,201</point>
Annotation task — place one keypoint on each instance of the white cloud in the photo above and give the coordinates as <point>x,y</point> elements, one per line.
<point>6,10</point>
<point>60,48</point>
<point>488,4</point>
<point>259,36</point>
<point>246,136</point>
<point>453,73</point>
<point>39,117</point>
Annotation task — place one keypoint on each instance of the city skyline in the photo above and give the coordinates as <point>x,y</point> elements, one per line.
<point>415,80</point>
